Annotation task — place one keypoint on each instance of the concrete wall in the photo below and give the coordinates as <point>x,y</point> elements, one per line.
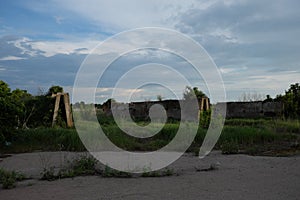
<point>254,109</point>
<point>140,110</point>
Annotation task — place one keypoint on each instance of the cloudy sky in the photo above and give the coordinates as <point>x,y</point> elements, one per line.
<point>255,44</point>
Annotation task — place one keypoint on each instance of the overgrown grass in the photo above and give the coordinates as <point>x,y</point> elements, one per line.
<point>275,125</point>
<point>256,136</point>
<point>45,139</point>
<point>246,133</point>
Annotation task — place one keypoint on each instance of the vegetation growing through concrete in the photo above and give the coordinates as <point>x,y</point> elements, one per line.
<point>87,165</point>
<point>81,166</point>
<point>9,179</point>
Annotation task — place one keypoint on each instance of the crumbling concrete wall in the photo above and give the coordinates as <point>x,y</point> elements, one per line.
<point>140,110</point>
<point>254,109</point>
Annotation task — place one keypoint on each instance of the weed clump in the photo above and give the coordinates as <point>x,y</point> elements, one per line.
<point>9,179</point>
<point>230,147</point>
<point>82,166</point>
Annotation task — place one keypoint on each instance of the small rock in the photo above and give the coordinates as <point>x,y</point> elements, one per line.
<point>215,165</point>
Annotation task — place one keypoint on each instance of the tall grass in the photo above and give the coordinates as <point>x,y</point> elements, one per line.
<point>245,132</point>
<point>275,125</point>
<point>45,139</point>
<point>248,135</point>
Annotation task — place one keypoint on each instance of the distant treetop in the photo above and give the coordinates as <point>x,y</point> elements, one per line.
<point>55,89</point>
<point>189,93</point>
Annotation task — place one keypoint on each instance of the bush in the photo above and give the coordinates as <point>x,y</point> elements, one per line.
<point>48,174</point>
<point>85,165</point>
<point>205,118</point>
<point>230,147</point>
<point>8,179</point>
<point>82,166</point>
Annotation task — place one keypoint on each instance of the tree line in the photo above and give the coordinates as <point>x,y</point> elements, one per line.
<point>22,110</point>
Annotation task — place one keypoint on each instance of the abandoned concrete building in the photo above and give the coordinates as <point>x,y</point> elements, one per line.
<point>140,110</point>
<point>255,109</point>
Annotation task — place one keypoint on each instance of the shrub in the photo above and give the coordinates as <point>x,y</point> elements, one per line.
<point>8,179</point>
<point>230,147</point>
<point>84,165</point>
<point>205,118</point>
<point>48,174</point>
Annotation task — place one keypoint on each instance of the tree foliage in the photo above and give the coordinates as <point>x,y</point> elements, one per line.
<point>291,100</point>
<point>190,93</point>
<point>7,111</point>
<point>4,89</point>
<point>19,109</point>
<point>55,89</point>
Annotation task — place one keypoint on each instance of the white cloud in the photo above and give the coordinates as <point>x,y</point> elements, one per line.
<point>58,19</point>
<point>259,81</point>
<point>225,34</point>
<point>11,58</point>
<point>236,33</point>
<point>46,48</point>
<point>102,94</point>
<point>114,15</point>
<point>230,70</point>
<point>24,45</point>
<point>51,48</point>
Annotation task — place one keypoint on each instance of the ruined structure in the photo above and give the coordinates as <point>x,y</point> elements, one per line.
<point>255,109</point>
<point>140,110</point>
<point>67,105</point>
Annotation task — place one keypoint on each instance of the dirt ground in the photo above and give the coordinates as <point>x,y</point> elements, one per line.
<point>238,177</point>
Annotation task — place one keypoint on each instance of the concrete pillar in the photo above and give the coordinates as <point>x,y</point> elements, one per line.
<point>204,105</point>
<point>56,107</point>
<point>68,110</point>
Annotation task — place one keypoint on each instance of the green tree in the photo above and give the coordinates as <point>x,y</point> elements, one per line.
<point>55,89</point>
<point>25,109</point>
<point>292,101</point>
<point>8,112</point>
<point>159,97</point>
<point>4,89</point>
<point>268,98</point>
<point>190,93</point>
<point>19,109</point>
